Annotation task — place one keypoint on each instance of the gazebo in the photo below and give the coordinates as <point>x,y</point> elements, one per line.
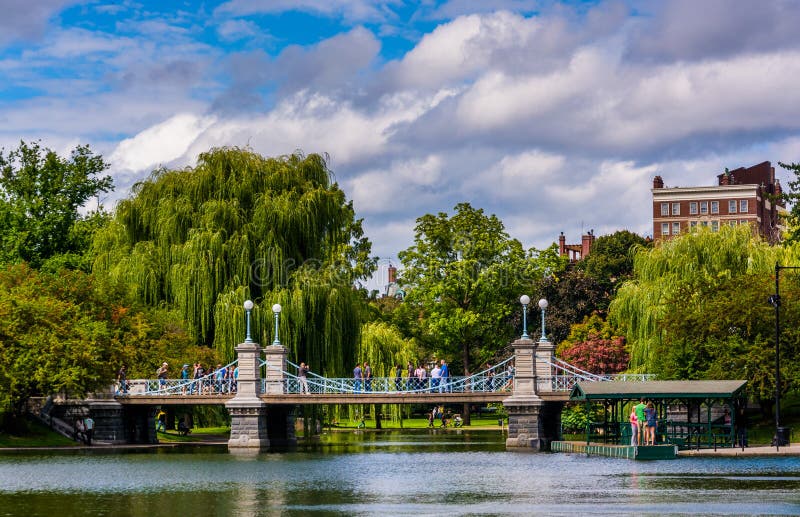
<point>693,426</point>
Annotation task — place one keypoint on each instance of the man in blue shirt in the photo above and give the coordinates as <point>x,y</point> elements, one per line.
<point>357,379</point>
<point>445,374</point>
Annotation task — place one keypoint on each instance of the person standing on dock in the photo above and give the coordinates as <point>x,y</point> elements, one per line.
<point>634,427</point>
<point>640,420</point>
<point>650,422</point>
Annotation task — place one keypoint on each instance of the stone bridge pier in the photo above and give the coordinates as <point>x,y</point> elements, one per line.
<point>255,424</point>
<point>533,423</point>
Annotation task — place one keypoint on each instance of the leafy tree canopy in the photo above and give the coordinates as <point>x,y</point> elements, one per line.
<point>792,197</point>
<point>239,226</point>
<point>594,346</point>
<point>40,194</point>
<point>610,261</point>
<point>697,308</point>
<point>65,333</point>
<point>463,277</point>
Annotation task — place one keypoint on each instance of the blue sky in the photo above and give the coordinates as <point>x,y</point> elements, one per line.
<point>553,115</point>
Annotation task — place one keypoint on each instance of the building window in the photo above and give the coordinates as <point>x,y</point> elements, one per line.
<point>664,228</point>
<point>704,207</point>
<point>732,206</point>
<point>693,224</point>
<point>732,222</point>
<point>704,223</point>
<point>693,208</point>
<point>664,208</point>
<point>676,228</point>
<point>676,209</point>
<point>743,206</point>
<point>715,207</point>
<point>742,221</point>
<point>714,226</point>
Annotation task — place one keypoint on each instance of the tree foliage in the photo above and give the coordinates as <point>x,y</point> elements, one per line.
<point>572,296</point>
<point>697,308</point>
<point>463,277</point>
<point>792,197</point>
<point>65,333</point>
<point>40,194</point>
<point>610,261</point>
<point>594,346</point>
<point>239,226</point>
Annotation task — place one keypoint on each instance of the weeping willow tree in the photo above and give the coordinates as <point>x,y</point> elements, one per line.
<point>384,347</point>
<point>241,226</point>
<point>693,294</point>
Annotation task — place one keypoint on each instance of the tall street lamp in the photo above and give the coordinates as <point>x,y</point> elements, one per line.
<point>775,300</point>
<point>525,300</point>
<point>543,306</point>
<point>248,308</point>
<point>276,310</point>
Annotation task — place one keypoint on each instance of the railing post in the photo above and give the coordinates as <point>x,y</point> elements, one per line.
<point>276,365</point>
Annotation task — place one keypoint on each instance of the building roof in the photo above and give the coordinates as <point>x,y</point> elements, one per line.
<point>657,390</point>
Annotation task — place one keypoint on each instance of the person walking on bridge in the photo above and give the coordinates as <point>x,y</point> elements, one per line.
<point>367,373</point>
<point>357,376</point>
<point>445,383</point>
<point>161,374</point>
<point>122,382</point>
<point>302,374</point>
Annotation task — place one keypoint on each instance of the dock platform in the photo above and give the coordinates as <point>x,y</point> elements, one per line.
<point>631,452</point>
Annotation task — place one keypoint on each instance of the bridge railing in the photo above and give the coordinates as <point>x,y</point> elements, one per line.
<point>209,384</point>
<point>499,378</point>
<point>568,381</point>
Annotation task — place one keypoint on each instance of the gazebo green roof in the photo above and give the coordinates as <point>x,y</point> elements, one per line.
<point>613,390</point>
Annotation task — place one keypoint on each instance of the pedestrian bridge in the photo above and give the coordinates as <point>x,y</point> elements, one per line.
<point>493,384</point>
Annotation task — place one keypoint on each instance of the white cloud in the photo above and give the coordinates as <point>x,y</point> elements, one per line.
<point>160,144</point>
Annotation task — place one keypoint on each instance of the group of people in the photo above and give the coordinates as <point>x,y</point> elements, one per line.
<point>83,430</point>
<point>195,379</point>
<point>419,378</point>
<point>644,421</point>
<point>438,414</point>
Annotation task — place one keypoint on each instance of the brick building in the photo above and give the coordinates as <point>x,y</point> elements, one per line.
<point>576,252</point>
<point>741,196</point>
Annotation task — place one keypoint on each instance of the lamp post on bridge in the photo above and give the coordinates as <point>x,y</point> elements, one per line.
<point>525,300</point>
<point>543,305</point>
<point>276,310</point>
<point>248,308</point>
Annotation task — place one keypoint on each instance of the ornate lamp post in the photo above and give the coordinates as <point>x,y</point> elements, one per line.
<point>276,310</point>
<point>525,300</point>
<point>248,308</point>
<point>543,306</point>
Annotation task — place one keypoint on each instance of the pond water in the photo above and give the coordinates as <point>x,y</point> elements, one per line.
<point>389,473</point>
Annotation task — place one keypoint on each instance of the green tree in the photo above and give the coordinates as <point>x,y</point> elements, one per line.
<point>572,296</point>
<point>610,261</point>
<point>66,333</point>
<point>697,308</point>
<point>463,277</point>
<point>792,197</point>
<point>40,195</point>
<point>239,226</point>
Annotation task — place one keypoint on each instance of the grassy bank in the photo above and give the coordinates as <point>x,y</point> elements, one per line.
<point>35,434</point>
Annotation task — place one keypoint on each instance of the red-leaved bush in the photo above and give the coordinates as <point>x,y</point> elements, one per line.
<point>597,355</point>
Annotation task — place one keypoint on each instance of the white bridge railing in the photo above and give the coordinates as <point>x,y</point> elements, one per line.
<point>565,376</point>
<point>499,378</point>
<point>213,383</point>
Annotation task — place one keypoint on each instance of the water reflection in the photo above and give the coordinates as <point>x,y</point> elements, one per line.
<point>389,473</point>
